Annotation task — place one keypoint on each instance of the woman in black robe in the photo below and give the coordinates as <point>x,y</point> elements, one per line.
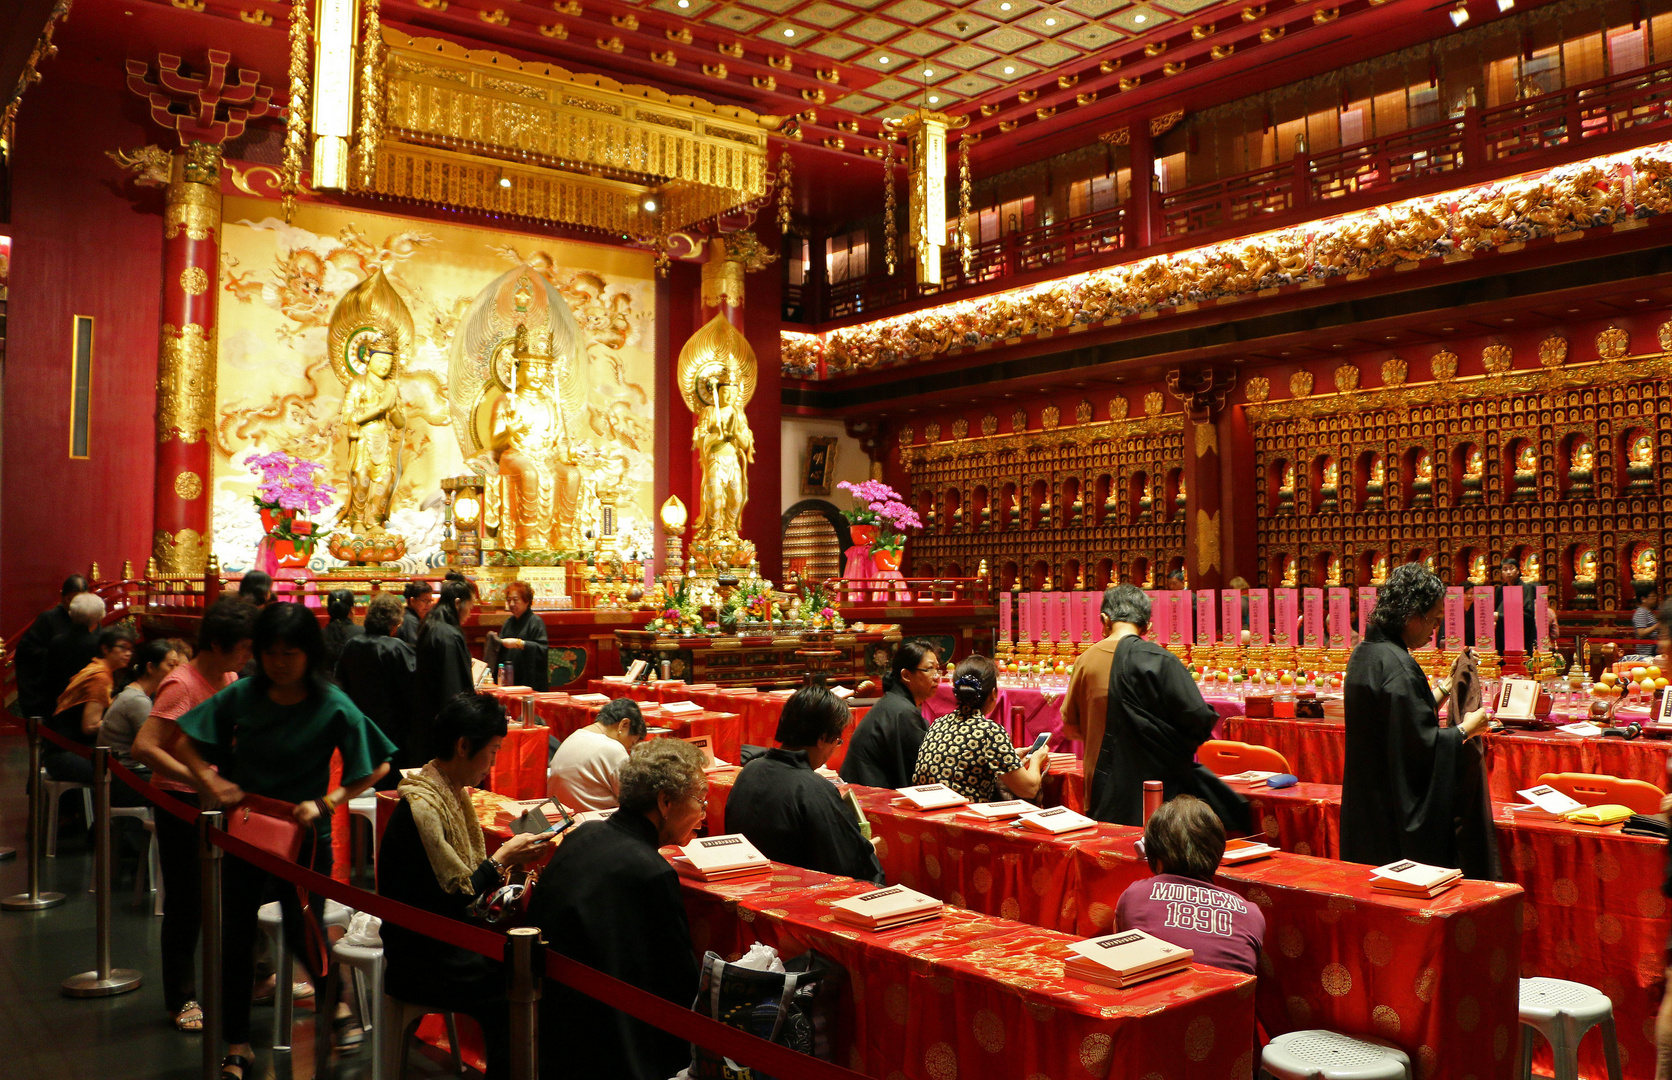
<point>609,900</point>
<point>522,641</point>
<point>1412,789</point>
<point>1156,719</point>
<point>376,671</point>
<point>882,750</point>
<point>443,661</point>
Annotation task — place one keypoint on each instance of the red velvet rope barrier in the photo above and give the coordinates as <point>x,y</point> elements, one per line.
<point>658,1012</point>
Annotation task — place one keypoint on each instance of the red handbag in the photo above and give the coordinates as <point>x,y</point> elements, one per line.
<point>268,824</point>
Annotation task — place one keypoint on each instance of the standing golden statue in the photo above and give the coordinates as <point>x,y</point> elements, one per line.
<point>369,339</point>
<point>717,378</point>
<point>536,503</point>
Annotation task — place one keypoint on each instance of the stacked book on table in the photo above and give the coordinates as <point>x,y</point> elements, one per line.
<point>721,858</point>
<point>1059,762</point>
<point>1246,850</point>
<point>1124,959</point>
<point>997,811</point>
<point>929,797</point>
<point>884,909</point>
<point>1545,803</point>
<point>1058,819</point>
<point>1408,878</point>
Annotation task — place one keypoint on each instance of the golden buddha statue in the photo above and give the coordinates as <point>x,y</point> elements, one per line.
<point>958,519</point>
<point>1146,503</point>
<point>1640,465</point>
<point>1016,510</point>
<point>1329,487</point>
<point>1473,483</point>
<point>1291,573</point>
<point>1179,500</point>
<point>1286,489</point>
<point>1645,565</point>
<point>1379,569</point>
<point>1532,569</point>
<point>716,374</point>
<point>536,503</point>
<point>1581,466</point>
<point>1076,512</point>
<point>1375,483</point>
<point>1429,565</point>
<point>1585,580</point>
<point>1422,483</point>
<point>1332,569</point>
<point>1525,481</point>
<point>1477,569</point>
<point>371,411</point>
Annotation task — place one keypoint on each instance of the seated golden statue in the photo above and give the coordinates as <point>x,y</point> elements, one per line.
<point>1474,477</point>
<point>1379,570</point>
<point>1645,565</point>
<point>536,503</point>
<point>1581,464</point>
<point>1422,484</point>
<point>1477,569</point>
<point>1640,465</point>
<point>1526,473</point>
<point>1375,483</point>
<point>1286,490</point>
<point>1329,487</point>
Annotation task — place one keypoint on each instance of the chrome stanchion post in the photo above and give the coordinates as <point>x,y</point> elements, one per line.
<point>34,899</point>
<point>102,981</point>
<point>525,966</point>
<point>209,985</point>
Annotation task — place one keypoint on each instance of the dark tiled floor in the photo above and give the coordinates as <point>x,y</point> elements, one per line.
<point>47,1036</point>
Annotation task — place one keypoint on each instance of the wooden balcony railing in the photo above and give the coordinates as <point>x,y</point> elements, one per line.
<point>1478,145</point>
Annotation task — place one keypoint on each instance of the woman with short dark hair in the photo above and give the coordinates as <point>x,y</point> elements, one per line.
<point>521,640</point>
<point>609,900</point>
<point>274,734</point>
<point>968,752</point>
<point>790,812</point>
<point>1411,789</point>
<point>444,670</point>
<point>1183,842</point>
<point>433,857</point>
<point>339,607</point>
<point>882,751</point>
<point>1154,719</point>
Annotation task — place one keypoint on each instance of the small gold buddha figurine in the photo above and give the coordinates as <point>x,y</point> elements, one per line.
<point>1329,487</point>
<point>1422,484</point>
<point>1016,511</point>
<point>1477,569</point>
<point>1375,483</point>
<point>1525,480</point>
<point>1532,569</point>
<point>1076,512</point>
<point>1179,500</point>
<point>1581,464</point>
<point>958,519</point>
<point>1428,564</point>
<point>1111,507</point>
<point>1291,571</point>
<point>1645,565</point>
<point>1286,490</point>
<point>1474,477</point>
<point>1332,570</point>
<point>1585,580</point>
<point>1640,465</point>
<point>1146,504</point>
<point>1046,518</point>
<point>1379,570</point>
<point>986,518</point>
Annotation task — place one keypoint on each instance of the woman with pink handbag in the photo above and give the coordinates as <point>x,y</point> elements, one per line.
<point>272,736</point>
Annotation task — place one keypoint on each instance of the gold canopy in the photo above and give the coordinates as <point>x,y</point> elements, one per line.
<point>577,149</point>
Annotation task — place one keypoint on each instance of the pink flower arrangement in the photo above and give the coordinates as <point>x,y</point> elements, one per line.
<point>827,613</point>
<point>878,504</point>
<point>286,482</point>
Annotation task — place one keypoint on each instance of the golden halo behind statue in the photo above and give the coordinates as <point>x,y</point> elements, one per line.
<point>370,308</point>
<point>719,353</point>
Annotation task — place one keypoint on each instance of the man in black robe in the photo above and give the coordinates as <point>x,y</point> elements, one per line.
<point>790,812</point>
<point>1411,789</point>
<point>609,900</point>
<point>882,750</point>
<point>1155,720</point>
<point>419,599</point>
<point>1510,572</point>
<point>378,672</point>
<point>35,692</point>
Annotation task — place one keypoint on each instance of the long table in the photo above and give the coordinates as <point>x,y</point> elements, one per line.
<point>972,995</point>
<point>1317,751</point>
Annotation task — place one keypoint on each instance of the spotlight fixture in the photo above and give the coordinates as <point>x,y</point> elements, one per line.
<point>1140,18</point>
<point>934,100</point>
<point>788,32</point>
<point>649,204</point>
<point>928,73</point>
<point>504,181</point>
<point>1506,5</point>
<point>1010,71</point>
<point>882,59</point>
<point>1004,7</point>
<point>684,3</point>
<point>1459,14</point>
<point>1050,22</point>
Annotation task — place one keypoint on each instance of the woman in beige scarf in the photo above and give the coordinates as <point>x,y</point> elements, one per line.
<point>433,856</point>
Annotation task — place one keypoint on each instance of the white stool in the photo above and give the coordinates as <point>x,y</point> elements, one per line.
<point>271,920</point>
<point>1563,1012</point>
<point>54,790</point>
<point>142,814</point>
<point>1329,1055</point>
<point>396,1022</point>
<point>366,962</point>
<point>365,806</point>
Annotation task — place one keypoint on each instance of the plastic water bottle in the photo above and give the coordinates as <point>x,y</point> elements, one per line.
<point>1152,798</point>
<point>505,673</point>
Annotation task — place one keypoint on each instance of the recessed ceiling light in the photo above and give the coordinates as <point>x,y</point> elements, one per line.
<point>684,3</point>
<point>1573,311</point>
<point>1508,319</point>
<point>1392,336</point>
<point>1459,14</point>
<point>1050,22</point>
<point>504,181</point>
<point>1140,18</point>
<point>934,100</point>
<point>928,73</point>
<point>1642,299</point>
<point>882,59</point>
<point>1004,7</point>
<point>1009,70</point>
<point>788,32</point>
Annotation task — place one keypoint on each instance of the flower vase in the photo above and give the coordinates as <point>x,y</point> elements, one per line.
<point>286,552</point>
<point>886,560</point>
<point>269,519</point>
<point>863,535</point>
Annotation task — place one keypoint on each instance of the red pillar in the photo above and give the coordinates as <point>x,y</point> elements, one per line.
<point>1142,227</point>
<point>186,362</point>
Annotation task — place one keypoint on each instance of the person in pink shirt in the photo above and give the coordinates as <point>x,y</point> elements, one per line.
<point>223,648</point>
<point>1184,841</point>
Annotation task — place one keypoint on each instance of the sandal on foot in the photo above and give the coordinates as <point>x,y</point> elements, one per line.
<point>348,1034</point>
<point>236,1061</point>
<point>190,1018</point>
<point>300,990</point>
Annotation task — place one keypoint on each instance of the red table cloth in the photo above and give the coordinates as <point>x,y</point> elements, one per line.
<point>969,995</point>
<point>1042,712</point>
<point>758,712</point>
<point>565,716</point>
<point>1437,977</point>
<point>1316,750</point>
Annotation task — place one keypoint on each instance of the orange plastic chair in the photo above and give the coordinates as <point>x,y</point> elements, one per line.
<point>1595,789</point>
<point>1225,757</point>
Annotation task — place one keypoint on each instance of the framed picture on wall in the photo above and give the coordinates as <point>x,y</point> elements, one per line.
<point>818,465</point>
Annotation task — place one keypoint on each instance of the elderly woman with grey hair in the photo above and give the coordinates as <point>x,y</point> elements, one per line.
<point>611,901</point>
<point>1154,720</point>
<point>1411,789</point>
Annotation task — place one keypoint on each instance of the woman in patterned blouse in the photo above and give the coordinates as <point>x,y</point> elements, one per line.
<point>971,754</point>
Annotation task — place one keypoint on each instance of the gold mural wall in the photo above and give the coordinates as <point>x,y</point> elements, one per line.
<point>277,389</point>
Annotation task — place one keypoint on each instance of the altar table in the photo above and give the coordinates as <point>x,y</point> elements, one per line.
<point>970,995</point>
<point>1317,751</point>
<point>1438,977</point>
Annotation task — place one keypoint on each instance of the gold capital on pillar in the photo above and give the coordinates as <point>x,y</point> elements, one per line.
<point>730,257</point>
<point>193,200</point>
